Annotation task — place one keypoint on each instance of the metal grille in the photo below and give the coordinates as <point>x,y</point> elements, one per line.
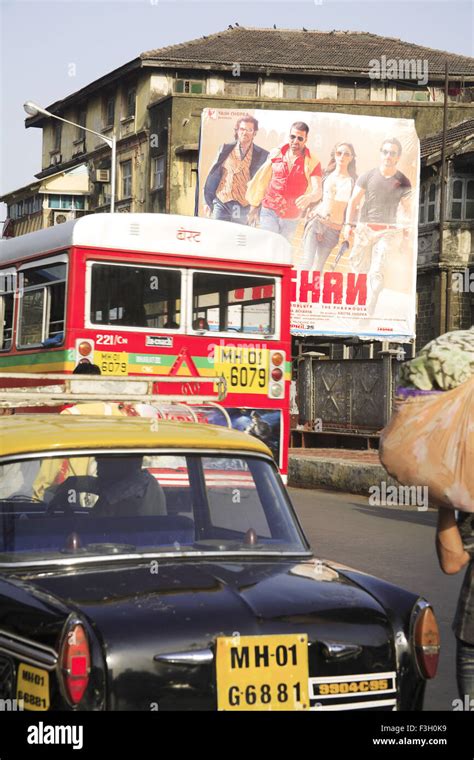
<point>7,678</point>
<point>349,395</point>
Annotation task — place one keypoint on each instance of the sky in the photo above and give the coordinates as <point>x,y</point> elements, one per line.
<point>39,42</point>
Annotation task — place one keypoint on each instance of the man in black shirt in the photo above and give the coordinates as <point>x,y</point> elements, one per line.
<point>455,548</point>
<point>382,189</point>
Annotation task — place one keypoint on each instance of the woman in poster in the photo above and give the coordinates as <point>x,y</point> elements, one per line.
<point>325,219</point>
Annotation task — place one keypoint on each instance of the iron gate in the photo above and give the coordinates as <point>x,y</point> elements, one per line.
<point>346,395</point>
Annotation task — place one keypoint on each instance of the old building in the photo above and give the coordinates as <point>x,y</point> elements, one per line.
<point>153,103</point>
<point>55,199</point>
<point>446,278</point>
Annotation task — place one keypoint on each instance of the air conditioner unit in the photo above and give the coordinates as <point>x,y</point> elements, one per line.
<point>102,175</point>
<point>59,217</point>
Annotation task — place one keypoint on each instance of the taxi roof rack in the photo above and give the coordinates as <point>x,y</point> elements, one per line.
<point>75,389</point>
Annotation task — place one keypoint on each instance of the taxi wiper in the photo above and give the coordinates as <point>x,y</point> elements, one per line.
<point>21,498</point>
<point>74,546</point>
<point>109,548</point>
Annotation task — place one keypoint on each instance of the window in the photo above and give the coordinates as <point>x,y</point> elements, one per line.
<point>130,101</point>
<point>462,198</point>
<point>42,303</point>
<point>233,302</point>
<point>431,203</point>
<point>428,202</point>
<point>57,130</point>
<point>15,211</point>
<point>407,93</point>
<point>246,89</point>
<point>32,204</point>
<point>66,201</point>
<point>422,207</point>
<point>105,196</point>
<point>250,515</point>
<point>299,92</point>
<point>135,296</point>
<point>126,168</point>
<point>109,111</point>
<point>158,173</point>
<point>7,301</point>
<point>189,86</point>
<point>29,206</point>
<point>353,90</point>
<point>81,121</point>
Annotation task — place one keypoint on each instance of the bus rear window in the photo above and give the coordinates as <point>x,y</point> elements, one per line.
<point>7,300</point>
<point>135,296</point>
<point>42,305</point>
<point>233,302</point>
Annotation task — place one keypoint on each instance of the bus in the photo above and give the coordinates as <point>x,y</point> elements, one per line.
<point>166,296</point>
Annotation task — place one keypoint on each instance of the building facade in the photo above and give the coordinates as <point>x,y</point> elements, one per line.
<point>53,200</point>
<point>445,284</point>
<point>153,105</point>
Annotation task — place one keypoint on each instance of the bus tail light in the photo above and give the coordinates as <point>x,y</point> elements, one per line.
<point>426,642</point>
<point>84,351</point>
<point>75,663</point>
<point>276,387</point>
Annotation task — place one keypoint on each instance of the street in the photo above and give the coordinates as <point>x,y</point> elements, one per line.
<point>394,543</point>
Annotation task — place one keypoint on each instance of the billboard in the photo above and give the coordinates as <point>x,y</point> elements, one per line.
<point>343,190</point>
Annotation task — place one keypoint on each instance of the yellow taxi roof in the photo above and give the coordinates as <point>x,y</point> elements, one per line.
<point>35,433</point>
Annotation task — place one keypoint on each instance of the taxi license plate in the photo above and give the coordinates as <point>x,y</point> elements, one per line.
<point>262,672</point>
<point>112,362</point>
<point>33,687</point>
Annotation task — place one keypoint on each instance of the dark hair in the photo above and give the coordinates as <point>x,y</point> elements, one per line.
<point>393,141</point>
<point>246,117</point>
<point>351,166</point>
<point>300,126</point>
<point>86,368</point>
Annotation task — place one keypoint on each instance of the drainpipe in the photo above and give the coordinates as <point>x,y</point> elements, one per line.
<point>168,169</point>
<point>445,284</point>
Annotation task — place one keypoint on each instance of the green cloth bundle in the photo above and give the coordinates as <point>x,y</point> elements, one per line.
<point>443,364</point>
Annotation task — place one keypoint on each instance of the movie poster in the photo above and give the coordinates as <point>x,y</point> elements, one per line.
<point>343,190</point>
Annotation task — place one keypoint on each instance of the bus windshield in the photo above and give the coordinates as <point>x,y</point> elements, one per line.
<point>151,297</point>
<point>135,296</point>
<point>239,303</point>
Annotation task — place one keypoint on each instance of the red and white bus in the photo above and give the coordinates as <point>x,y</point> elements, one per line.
<point>156,295</point>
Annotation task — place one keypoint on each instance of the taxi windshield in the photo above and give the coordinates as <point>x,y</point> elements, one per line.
<point>124,503</point>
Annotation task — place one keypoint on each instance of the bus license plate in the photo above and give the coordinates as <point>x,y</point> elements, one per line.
<point>262,672</point>
<point>112,362</point>
<point>244,368</point>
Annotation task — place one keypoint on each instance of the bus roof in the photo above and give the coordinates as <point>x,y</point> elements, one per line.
<point>154,233</point>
